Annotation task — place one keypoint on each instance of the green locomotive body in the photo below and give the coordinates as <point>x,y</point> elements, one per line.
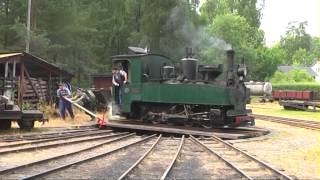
<point>156,92</point>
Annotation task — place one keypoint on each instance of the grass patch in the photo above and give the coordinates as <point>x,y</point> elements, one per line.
<point>274,109</point>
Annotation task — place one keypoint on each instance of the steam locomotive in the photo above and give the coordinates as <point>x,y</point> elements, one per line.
<point>191,94</point>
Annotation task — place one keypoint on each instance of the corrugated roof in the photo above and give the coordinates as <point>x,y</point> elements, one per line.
<point>286,69</point>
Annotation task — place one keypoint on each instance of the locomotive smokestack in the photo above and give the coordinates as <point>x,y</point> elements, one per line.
<point>230,59</point>
<point>230,66</point>
<point>189,52</point>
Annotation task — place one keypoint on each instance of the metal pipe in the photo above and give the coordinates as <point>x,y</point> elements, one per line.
<point>230,59</point>
<point>230,67</point>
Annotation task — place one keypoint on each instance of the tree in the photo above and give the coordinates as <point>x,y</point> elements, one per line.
<point>267,62</point>
<point>296,38</point>
<point>315,48</point>
<point>237,32</point>
<point>232,28</point>
<point>302,57</point>
<point>245,8</point>
<point>11,12</point>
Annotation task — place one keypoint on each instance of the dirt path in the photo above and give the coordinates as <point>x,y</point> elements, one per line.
<point>296,150</point>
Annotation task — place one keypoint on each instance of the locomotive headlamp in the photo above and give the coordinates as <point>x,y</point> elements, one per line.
<point>242,71</point>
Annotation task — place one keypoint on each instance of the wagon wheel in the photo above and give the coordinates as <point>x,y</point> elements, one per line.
<point>26,124</point>
<point>5,124</point>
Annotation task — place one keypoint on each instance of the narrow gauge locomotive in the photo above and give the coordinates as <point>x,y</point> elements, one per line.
<point>189,93</point>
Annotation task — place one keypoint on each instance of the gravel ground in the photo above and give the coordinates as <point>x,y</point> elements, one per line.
<point>62,161</point>
<point>107,167</point>
<point>293,149</point>
<point>194,162</point>
<point>155,164</point>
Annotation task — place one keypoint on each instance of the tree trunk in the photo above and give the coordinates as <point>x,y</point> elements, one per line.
<point>5,39</point>
<point>33,15</point>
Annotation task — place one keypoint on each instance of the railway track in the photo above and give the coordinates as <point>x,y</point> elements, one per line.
<point>49,144</point>
<point>38,136</point>
<point>186,159</point>
<point>290,121</point>
<point>157,162</point>
<point>45,140</point>
<point>124,155</point>
<point>244,164</point>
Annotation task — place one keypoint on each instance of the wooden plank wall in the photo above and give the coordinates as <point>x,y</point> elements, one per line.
<point>35,90</point>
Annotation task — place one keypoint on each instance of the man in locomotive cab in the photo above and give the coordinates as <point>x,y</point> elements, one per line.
<point>119,78</point>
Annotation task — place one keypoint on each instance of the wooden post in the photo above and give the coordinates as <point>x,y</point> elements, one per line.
<point>5,81</point>
<point>14,69</point>
<point>21,87</point>
<point>50,88</point>
<point>6,70</point>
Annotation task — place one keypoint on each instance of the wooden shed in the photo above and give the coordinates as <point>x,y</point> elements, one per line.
<point>102,81</point>
<point>28,79</point>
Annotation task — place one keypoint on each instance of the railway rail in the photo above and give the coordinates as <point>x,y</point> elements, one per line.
<point>290,121</point>
<point>29,147</point>
<point>158,156</point>
<point>37,136</point>
<point>45,140</point>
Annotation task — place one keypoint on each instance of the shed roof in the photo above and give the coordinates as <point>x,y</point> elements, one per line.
<point>9,55</point>
<point>36,65</point>
<point>128,56</point>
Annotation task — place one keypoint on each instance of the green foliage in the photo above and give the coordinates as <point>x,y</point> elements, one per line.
<point>296,38</point>
<point>80,36</point>
<point>244,8</point>
<point>315,48</point>
<point>296,86</point>
<point>302,57</point>
<point>267,62</point>
<point>294,76</point>
<point>233,28</point>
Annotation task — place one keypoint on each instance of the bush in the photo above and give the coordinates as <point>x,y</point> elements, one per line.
<point>297,86</point>
<point>294,76</point>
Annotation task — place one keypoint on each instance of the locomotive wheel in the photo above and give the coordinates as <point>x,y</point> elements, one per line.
<point>5,124</point>
<point>144,114</point>
<point>155,121</point>
<point>207,124</point>
<point>26,124</point>
<point>188,123</point>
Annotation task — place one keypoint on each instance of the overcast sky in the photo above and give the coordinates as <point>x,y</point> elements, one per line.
<point>278,13</point>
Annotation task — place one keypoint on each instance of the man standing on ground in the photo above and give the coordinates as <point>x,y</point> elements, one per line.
<point>63,92</point>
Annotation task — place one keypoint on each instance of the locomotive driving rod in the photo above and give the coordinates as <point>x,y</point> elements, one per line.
<point>100,121</point>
